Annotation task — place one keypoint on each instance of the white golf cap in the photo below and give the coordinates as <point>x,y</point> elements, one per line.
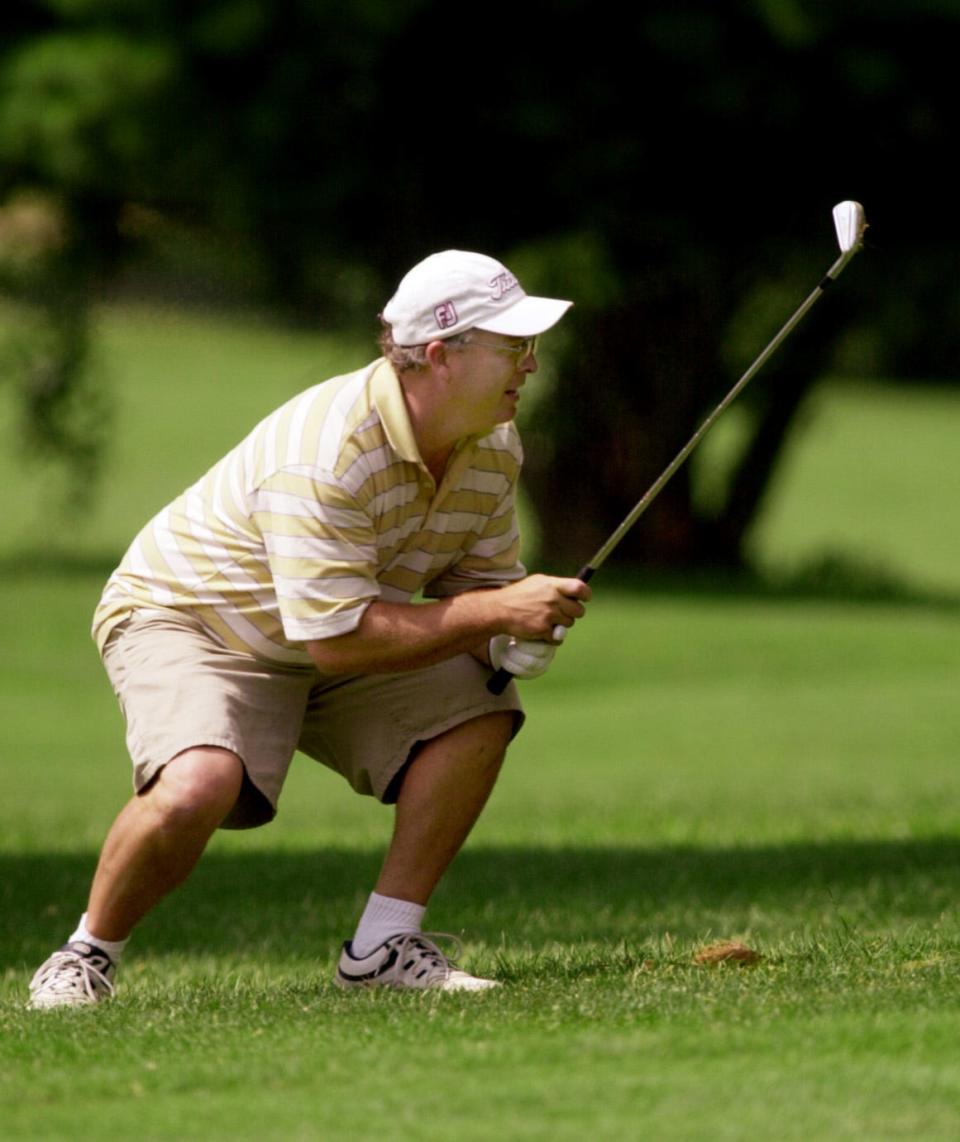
<point>452,291</point>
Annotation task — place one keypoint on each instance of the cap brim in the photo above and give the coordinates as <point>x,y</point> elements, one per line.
<point>530,316</point>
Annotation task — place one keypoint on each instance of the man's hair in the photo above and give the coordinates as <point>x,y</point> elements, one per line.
<point>404,357</point>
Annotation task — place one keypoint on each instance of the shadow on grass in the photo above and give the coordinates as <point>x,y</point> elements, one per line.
<point>304,903</point>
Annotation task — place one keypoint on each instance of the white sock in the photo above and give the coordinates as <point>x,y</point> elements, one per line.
<point>382,918</point>
<point>113,948</point>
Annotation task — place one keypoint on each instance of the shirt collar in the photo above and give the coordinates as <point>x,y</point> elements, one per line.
<point>392,408</point>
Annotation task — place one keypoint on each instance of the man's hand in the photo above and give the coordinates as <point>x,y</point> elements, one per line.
<point>535,607</point>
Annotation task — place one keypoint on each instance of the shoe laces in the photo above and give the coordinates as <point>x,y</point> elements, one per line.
<point>421,947</point>
<point>70,966</point>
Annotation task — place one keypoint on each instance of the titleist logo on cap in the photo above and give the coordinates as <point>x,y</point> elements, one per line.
<point>502,284</point>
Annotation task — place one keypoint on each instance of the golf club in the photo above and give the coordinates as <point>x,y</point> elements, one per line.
<point>850,223</point>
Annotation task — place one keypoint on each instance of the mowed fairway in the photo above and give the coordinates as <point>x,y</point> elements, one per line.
<point>770,767</point>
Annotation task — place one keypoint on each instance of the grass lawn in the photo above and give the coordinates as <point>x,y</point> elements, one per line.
<point>776,769</point>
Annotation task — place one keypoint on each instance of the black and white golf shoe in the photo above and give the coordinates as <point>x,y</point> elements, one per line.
<point>408,960</point>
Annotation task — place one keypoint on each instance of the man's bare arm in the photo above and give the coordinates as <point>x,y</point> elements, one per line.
<point>393,637</point>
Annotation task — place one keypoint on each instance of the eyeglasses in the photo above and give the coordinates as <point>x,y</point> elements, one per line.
<point>521,350</point>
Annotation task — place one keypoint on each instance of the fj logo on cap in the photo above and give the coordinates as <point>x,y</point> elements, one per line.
<point>502,284</point>
<point>446,314</point>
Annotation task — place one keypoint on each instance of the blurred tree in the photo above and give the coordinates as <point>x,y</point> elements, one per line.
<point>670,167</point>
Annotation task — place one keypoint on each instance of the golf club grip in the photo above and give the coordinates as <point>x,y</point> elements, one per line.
<point>499,680</point>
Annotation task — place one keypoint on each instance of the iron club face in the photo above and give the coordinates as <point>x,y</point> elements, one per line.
<point>850,221</point>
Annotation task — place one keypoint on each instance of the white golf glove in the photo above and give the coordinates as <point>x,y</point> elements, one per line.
<point>523,657</point>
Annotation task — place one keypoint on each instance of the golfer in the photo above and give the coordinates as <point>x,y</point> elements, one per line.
<point>270,608</point>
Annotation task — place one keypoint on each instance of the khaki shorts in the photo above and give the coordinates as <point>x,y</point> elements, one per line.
<point>179,688</point>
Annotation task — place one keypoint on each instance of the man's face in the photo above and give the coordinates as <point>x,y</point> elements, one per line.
<point>491,370</point>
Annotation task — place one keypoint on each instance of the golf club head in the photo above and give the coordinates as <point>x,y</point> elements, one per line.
<point>850,222</point>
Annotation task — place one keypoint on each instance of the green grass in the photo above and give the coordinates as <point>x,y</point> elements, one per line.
<point>697,765</point>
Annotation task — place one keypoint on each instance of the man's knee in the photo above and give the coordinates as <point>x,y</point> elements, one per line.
<point>480,744</point>
<point>200,786</point>
<point>494,731</point>
<point>485,737</point>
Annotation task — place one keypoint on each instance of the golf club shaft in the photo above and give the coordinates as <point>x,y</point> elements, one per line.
<point>499,680</point>
<point>658,485</point>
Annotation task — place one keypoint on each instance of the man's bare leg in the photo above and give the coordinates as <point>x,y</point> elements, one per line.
<point>152,847</point>
<point>442,795</point>
<point>444,790</point>
<point>159,836</point>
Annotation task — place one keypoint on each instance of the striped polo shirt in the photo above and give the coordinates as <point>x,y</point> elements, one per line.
<point>323,508</point>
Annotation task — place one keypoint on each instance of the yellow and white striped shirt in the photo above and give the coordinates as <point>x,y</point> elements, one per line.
<point>323,508</point>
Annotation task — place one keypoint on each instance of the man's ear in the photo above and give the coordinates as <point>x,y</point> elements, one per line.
<point>438,356</point>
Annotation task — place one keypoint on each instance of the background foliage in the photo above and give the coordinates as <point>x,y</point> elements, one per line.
<point>671,169</point>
